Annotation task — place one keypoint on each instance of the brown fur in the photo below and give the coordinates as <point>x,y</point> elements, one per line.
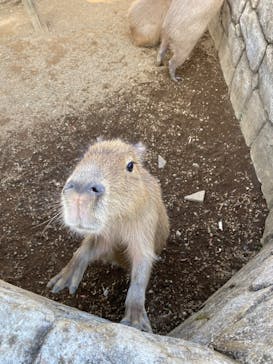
<point>184,24</point>
<point>145,21</point>
<point>126,224</point>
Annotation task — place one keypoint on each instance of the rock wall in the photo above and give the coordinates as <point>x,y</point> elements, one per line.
<point>243,35</point>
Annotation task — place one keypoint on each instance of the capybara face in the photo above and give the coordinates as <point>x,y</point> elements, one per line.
<point>105,185</point>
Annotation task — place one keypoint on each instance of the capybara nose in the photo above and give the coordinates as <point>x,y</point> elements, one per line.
<point>69,186</point>
<point>95,189</point>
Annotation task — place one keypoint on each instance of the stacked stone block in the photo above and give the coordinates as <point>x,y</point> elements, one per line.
<point>243,36</point>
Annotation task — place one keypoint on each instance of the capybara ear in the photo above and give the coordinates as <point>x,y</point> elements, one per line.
<point>140,150</point>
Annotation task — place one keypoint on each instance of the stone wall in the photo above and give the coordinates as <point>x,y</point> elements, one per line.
<point>243,35</point>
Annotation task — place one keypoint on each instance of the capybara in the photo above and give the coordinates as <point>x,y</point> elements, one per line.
<point>116,204</point>
<point>184,24</point>
<point>145,21</point>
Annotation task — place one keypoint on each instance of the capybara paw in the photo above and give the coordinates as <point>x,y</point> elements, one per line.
<point>174,77</point>
<point>172,71</point>
<point>64,279</point>
<point>159,61</point>
<point>140,322</point>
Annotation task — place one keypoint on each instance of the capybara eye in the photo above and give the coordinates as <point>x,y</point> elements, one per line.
<point>130,166</point>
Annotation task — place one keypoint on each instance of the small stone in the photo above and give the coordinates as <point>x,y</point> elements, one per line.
<point>220,225</point>
<point>105,292</point>
<point>178,233</point>
<point>196,197</point>
<point>161,162</point>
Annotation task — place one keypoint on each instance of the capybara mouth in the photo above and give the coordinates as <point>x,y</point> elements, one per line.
<point>82,223</point>
<point>85,229</point>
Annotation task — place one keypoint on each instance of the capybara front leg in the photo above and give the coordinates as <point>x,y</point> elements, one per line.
<point>135,313</point>
<point>172,69</point>
<point>71,275</point>
<point>161,53</point>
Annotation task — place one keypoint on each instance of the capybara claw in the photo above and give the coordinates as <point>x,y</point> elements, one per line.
<point>141,322</point>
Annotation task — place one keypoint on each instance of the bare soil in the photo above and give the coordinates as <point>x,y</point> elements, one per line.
<point>191,125</point>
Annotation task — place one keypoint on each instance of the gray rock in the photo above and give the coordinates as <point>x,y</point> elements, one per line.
<point>241,87</point>
<point>268,230</point>
<point>237,7</point>
<point>253,36</point>
<point>225,60</point>
<point>264,276</point>
<point>226,16</point>
<point>37,330</point>
<point>258,330</point>
<point>265,12</point>
<point>216,30</point>
<point>116,344</point>
<point>261,153</point>
<point>238,318</point>
<point>266,81</point>
<point>253,119</point>
<point>236,43</point>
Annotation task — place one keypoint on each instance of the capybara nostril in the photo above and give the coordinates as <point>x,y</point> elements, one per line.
<point>96,189</point>
<point>69,186</point>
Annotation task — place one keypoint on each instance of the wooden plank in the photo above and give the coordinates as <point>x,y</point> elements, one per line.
<point>31,9</point>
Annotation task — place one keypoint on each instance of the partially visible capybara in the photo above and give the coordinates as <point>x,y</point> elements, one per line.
<point>145,21</point>
<point>184,24</point>
<point>116,204</point>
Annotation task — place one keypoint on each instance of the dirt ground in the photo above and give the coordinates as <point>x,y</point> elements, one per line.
<point>190,124</point>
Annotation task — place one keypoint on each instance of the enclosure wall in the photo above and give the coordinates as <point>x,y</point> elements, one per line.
<point>243,35</point>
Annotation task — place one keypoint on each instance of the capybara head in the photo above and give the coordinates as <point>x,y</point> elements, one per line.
<point>105,187</point>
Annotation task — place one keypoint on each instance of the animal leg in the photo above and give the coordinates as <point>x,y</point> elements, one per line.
<point>71,275</point>
<point>161,53</point>
<point>135,313</point>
